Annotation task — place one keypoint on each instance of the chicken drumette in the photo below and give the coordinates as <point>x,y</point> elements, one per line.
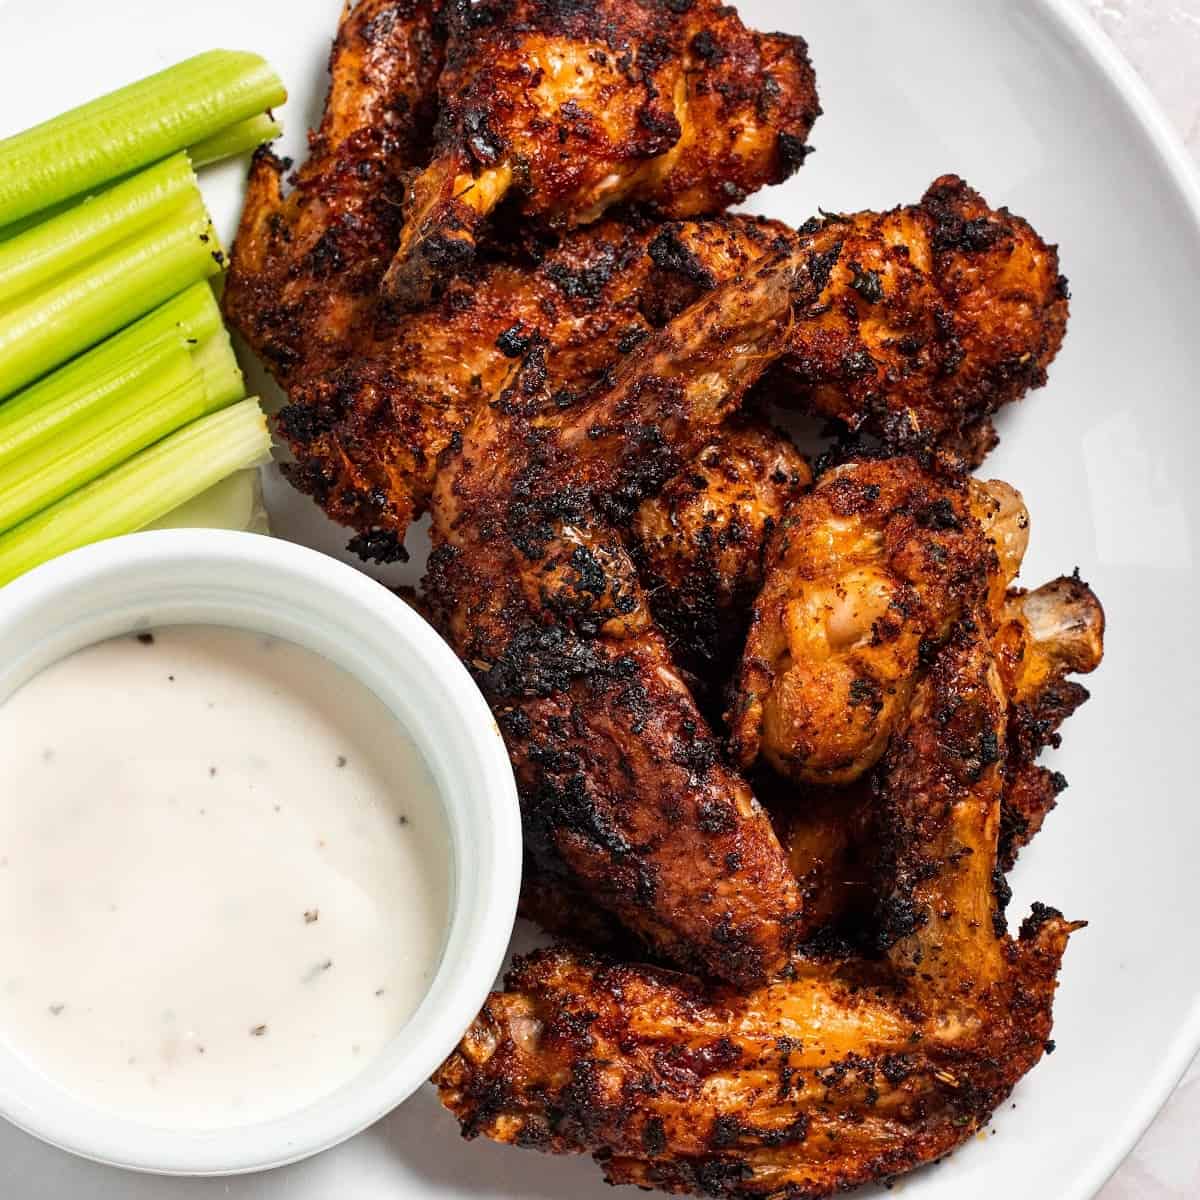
<point>573,108</point>
<point>937,315</point>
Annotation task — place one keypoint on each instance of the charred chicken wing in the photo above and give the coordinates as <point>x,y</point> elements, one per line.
<point>623,788</point>
<point>867,576</point>
<point>573,108</point>
<point>699,545</point>
<point>305,269</point>
<point>936,316</point>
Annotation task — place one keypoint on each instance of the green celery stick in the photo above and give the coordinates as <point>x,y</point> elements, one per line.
<point>44,254</point>
<point>24,427</point>
<point>131,128</point>
<point>150,372</point>
<point>237,139</point>
<point>218,367</point>
<point>191,320</point>
<point>43,331</point>
<point>141,490</point>
<point>105,439</point>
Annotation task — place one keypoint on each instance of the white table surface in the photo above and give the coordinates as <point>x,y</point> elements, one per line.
<point>1162,40</point>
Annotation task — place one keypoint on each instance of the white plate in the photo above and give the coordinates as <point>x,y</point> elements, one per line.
<point>1028,102</point>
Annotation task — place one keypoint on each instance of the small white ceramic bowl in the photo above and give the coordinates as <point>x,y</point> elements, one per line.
<point>250,582</point>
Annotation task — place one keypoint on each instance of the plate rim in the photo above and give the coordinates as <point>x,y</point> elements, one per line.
<point>1130,89</point>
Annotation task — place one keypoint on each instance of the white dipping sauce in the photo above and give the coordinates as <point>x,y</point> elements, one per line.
<point>224,876</point>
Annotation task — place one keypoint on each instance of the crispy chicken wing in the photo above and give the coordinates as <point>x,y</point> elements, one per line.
<point>837,1073</point>
<point>576,107</point>
<point>699,544</point>
<point>866,577</point>
<point>305,269</point>
<point>937,315</point>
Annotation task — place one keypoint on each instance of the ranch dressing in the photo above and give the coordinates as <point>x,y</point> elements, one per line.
<point>223,876</point>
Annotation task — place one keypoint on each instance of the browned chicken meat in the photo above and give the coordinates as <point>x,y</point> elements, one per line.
<point>699,544</point>
<point>866,577</point>
<point>836,1074</point>
<point>305,270</point>
<point>574,107</point>
<point>938,314</point>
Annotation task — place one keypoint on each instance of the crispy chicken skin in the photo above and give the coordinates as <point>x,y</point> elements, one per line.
<point>866,576</point>
<point>305,269</point>
<point>368,434</point>
<point>837,1073</point>
<point>699,545</point>
<point>574,107</point>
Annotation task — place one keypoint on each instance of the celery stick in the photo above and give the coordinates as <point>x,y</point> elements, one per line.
<point>152,372</point>
<point>25,426</point>
<point>131,128</point>
<point>82,309</point>
<point>35,219</point>
<point>190,319</point>
<point>142,490</point>
<point>49,251</point>
<point>107,438</point>
<point>237,139</point>
<point>218,368</point>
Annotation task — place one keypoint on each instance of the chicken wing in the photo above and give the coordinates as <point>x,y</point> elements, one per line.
<point>305,268</point>
<point>574,108</point>
<point>937,315</point>
<point>867,576</point>
<point>1052,632</point>
<point>699,545</point>
<point>837,1073</point>
<point>622,783</point>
